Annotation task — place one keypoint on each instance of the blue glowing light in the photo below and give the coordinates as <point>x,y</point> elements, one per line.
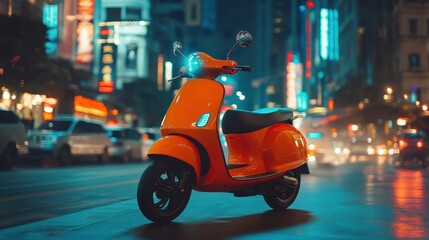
<point>204,119</point>
<point>314,135</point>
<point>50,19</point>
<point>329,34</point>
<point>193,65</point>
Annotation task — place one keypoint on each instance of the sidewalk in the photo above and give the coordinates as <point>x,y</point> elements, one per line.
<point>106,222</point>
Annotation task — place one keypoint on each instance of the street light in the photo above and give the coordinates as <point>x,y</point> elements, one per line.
<point>388,96</point>
<point>389,90</point>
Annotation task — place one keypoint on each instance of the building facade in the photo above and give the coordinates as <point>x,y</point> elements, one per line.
<point>28,8</point>
<point>411,49</point>
<point>352,46</point>
<point>122,27</point>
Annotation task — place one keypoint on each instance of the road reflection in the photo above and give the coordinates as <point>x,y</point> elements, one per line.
<point>408,199</point>
<point>224,228</point>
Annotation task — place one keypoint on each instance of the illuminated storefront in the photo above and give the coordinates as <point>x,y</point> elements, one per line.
<point>33,108</point>
<point>36,108</point>
<point>86,107</point>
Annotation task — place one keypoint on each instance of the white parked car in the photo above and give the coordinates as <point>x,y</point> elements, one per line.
<point>149,135</point>
<point>13,138</point>
<point>127,143</point>
<point>68,137</point>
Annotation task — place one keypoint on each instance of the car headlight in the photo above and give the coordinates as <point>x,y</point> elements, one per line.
<point>370,150</point>
<point>337,150</point>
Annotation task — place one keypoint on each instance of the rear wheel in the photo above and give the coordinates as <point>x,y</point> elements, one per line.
<point>104,157</point>
<point>64,156</point>
<point>164,190</point>
<point>9,156</point>
<point>287,189</point>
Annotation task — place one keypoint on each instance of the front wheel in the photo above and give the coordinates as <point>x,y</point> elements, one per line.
<point>286,191</point>
<point>103,158</point>
<point>64,156</point>
<point>9,156</point>
<point>164,190</point>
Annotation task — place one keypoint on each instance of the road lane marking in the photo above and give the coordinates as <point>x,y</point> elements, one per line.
<point>78,178</point>
<point>13,198</point>
<point>52,182</point>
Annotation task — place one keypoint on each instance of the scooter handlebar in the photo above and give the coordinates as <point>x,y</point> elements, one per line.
<point>239,68</point>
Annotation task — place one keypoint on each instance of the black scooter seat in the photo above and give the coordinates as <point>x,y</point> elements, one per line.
<point>242,121</point>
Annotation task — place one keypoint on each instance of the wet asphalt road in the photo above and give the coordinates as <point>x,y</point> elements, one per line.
<point>366,199</point>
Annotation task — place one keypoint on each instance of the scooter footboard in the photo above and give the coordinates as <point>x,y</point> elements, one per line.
<point>177,147</point>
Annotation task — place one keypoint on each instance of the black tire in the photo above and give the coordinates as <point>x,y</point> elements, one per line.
<point>288,193</point>
<point>104,157</point>
<point>65,157</point>
<point>159,196</point>
<point>9,156</point>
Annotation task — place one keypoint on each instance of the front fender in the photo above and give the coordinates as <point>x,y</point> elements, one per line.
<point>177,147</point>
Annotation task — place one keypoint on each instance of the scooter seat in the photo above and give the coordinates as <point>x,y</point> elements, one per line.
<point>242,121</point>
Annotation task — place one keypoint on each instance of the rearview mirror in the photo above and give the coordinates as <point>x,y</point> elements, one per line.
<point>244,38</point>
<point>177,48</point>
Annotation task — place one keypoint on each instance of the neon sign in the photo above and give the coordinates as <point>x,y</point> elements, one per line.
<point>50,19</point>
<point>329,34</point>
<point>89,106</point>
<point>85,31</point>
<point>107,68</point>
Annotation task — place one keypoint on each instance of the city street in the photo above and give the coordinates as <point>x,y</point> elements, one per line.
<point>369,198</point>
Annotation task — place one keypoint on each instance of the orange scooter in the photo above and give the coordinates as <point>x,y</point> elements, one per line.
<point>266,153</point>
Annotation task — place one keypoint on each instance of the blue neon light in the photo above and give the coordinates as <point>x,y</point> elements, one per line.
<point>314,135</point>
<point>50,19</point>
<point>204,119</point>
<point>329,34</point>
<point>193,65</point>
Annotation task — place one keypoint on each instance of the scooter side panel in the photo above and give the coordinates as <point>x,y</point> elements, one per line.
<point>245,155</point>
<point>177,147</point>
<point>284,148</point>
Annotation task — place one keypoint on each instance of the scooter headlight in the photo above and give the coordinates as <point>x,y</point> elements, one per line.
<point>193,65</point>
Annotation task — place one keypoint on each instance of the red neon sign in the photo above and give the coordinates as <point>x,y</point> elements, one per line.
<point>105,87</point>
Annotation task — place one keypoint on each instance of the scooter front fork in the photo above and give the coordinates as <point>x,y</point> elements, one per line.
<point>291,181</point>
<point>185,176</point>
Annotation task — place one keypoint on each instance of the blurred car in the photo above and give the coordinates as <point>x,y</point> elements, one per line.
<point>13,138</point>
<point>149,135</point>
<point>362,146</point>
<point>412,146</point>
<point>67,137</point>
<point>325,149</point>
<point>127,143</point>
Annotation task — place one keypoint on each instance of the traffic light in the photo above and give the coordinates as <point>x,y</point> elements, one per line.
<point>309,4</point>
